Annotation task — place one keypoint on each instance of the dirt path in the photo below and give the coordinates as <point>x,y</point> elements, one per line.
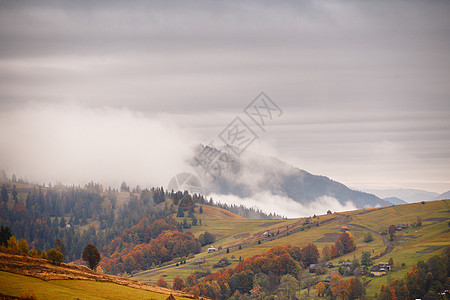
<point>389,246</point>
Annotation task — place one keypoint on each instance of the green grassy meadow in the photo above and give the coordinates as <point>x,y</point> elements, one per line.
<point>410,245</point>
<point>13,284</point>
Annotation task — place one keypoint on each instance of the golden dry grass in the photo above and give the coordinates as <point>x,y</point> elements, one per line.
<point>43,269</point>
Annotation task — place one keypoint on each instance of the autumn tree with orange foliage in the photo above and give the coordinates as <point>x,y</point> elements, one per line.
<point>386,293</point>
<point>320,289</point>
<point>356,289</point>
<point>326,253</point>
<point>274,264</point>
<point>401,291</point>
<point>413,281</point>
<point>161,282</point>
<point>178,283</point>
<point>310,255</point>
<point>340,287</point>
<point>344,244</point>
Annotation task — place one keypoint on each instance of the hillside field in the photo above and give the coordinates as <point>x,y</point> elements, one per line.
<point>408,247</point>
<point>21,274</point>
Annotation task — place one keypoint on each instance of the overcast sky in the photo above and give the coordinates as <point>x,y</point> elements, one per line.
<point>364,87</point>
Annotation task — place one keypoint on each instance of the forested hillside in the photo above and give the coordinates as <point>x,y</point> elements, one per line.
<point>90,214</point>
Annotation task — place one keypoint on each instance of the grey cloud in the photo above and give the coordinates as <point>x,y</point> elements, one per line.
<point>364,84</point>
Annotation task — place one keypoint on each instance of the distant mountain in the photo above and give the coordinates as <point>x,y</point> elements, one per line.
<point>408,195</point>
<point>250,173</point>
<point>443,196</point>
<point>395,200</point>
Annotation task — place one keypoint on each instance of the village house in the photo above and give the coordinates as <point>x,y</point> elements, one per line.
<point>402,226</point>
<point>380,269</point>
<point>211,249</point>
<point>308,221</point>
<point>312,268</point>
<point>199,261</point>
<point>266,234</point>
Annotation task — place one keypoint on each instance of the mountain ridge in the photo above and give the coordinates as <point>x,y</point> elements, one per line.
<point>251,173</point>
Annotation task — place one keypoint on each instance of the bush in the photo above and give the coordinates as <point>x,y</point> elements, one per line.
<point>178,283</point>
<point>368,237</point>
<point>161,282</point>
<point>223,262</point>
<point>206,238</point>
<point>55,256</point>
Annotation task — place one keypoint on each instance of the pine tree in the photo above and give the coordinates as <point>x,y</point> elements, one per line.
<point>5,196</point>
<point>14,193</point>
<point>5,234</point>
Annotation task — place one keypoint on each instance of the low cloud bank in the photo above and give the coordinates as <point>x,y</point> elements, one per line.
<point>74,144</point>
<point>285,206</point>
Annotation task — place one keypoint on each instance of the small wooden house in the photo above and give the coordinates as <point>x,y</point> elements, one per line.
<point>380,269</point>
<point>199,261</point>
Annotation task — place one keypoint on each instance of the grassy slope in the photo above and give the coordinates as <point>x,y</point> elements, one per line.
<point>14,284</point>
<point>65,281</point>
<point>233,231</point>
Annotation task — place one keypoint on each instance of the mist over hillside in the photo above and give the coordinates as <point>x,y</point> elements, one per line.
<point>407,195</point>
<point>272,185</point>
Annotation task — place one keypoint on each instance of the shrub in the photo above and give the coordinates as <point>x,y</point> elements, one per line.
<point>55,256</point>
<point>178,283</point>
<point>206,238</point>
<point>223,262</point>
<point>368,237</point>
<point>161,282</point>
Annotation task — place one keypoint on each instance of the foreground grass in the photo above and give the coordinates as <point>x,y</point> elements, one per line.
<point>14,285</point>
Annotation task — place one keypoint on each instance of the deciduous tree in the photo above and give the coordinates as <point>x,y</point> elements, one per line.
<point>310,254</point>
<point>161,282</point>
<point>339,287</point>
<point>326,253</point>
<point>55,256</point>
<point>23,246</point>
<point>391,230</point>
<point>365,259</point>
<point>91,256</point>
<point>178,283</point>
<point>13,246</point>
<point>320,289</point>
<point>288,284</point>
